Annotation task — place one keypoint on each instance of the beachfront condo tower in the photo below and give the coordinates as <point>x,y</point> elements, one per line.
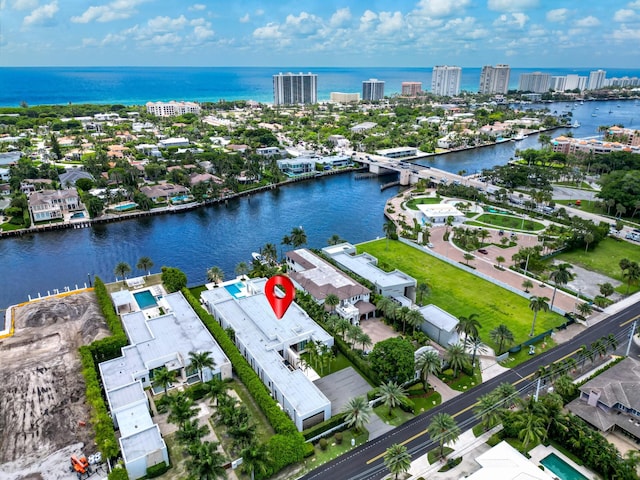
<point>536,82</point>
<point>372,90</point>
<point>494,79</point>
<point>295,88</point>
<point>445,80</point>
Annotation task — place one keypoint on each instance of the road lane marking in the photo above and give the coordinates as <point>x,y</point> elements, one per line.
<point>630,320</point>
<point>378,457</point>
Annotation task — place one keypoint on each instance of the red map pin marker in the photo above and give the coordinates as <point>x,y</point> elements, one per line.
<point>280,305</point>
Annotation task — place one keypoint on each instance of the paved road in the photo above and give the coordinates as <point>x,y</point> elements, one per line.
<point>365,462</point>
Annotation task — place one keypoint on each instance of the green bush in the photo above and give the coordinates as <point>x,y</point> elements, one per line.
<point>197,392</point>
<point>118,473</point>
<point>288,445</point>
<point>323,443</point>
<point>157,470</point>
<point>104,302</point>
<point>338,437</point>
<point>309,450</point>
<point>324,426</point>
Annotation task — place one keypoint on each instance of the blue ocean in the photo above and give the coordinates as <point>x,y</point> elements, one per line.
<point>138,85</point>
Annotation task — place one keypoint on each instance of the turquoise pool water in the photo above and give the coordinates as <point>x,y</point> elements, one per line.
<point>180,198</point>
<point>234,290</point>
<point>78,215</point>
<point>126,206</point>
<point>145,299</point>
<point>562,469</point>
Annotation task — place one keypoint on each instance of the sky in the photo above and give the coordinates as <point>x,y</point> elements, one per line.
<point>418,33</point>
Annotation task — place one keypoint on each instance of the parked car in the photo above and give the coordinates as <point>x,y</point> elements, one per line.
<point>483,250</point>
<point>430,245</point>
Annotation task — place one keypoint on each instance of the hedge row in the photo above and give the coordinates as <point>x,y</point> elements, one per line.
<point>324,426</point>
<point>108,347</point>
<point>100,419</point>
<point>288,445</point>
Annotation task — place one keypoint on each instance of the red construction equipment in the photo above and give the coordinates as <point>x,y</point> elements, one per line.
<point>80,464</point>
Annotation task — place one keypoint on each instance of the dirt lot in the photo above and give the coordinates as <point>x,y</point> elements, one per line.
<point>42,396</point>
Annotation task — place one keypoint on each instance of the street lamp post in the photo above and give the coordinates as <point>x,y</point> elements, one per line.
<point>89,277</point>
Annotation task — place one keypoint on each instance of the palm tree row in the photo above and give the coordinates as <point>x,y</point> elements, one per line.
<point>122,269</point>
<point>394,312</point>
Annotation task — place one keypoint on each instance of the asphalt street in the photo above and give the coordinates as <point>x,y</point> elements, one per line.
<point>365,462</point>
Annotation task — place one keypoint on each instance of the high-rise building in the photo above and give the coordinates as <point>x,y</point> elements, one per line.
<point>445,80</point>
<point>596,79</point>
<point>536,82</point>
<point>341,97</point>
<point>295,88</point>
<point>372,90</point>
<point>411,89</point>
<point>495,79</point>
<point>558,83</point>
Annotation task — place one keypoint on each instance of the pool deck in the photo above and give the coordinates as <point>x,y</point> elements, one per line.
<point>540,452</point>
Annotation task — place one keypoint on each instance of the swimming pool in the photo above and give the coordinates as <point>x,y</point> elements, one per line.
<point>234,289</point>
<point>180,198</point>
<point>145,299</point>
<point>78,215</point>
<point>562,469</point>
<point>126,206</point>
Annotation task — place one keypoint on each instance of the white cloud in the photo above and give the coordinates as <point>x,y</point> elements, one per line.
<point>511,5</point>
<point>625,34</point>
<point>557,15</point>
<point>340,17</point>
<point>116,10</point>
<point>635,4</point>
<point>389,22</point>
<point>589,21</point>
<point>166,24</point>
<point>512,20</point>
<point>23,4</point>
<point>42,14</point>
<point>202,33</point>
<point>269,31</point>
<point>245,18</point>
<point>259,12</point>
<point>197,7</point>
<point>625,15</point>
<point>367,19</point>
<point>166,39</point>
<point>440,8</point>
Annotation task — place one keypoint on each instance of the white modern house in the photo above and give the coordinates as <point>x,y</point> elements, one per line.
<point>396,284</point>
<point>439,325</point>
<point>438,213</point>
<point>319,278</point>
<point>273,347</point>
<point>162,341</point>
<point>297,166</point>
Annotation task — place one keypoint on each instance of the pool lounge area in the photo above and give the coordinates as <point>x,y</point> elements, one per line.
<point>145,299</point>
<point>558,464</point>
<point>125,206</point>
<point>237,289</point>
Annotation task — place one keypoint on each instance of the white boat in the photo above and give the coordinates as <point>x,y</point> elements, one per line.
<point>593,115</point>
<point>575,124</point>
<point>258,257</point>
<point>518,137</point>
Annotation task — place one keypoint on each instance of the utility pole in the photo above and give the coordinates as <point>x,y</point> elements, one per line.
<point>535,396</point>
<point>631,333</point>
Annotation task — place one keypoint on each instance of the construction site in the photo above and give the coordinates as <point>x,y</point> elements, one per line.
<point>43,416</point>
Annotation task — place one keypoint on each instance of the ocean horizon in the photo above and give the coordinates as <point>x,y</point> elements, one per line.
<point>138,85</point>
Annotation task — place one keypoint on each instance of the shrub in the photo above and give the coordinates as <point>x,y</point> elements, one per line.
<point>323,443</point>
<point>197,392</point>
<point>338,437</point>
<point>157,470</point>
<point>324,426</point>
<point>118,473</point>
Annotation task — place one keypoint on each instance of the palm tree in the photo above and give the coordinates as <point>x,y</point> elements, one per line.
<point>392,395</point>
<point>353,331</point>
<point>335,239</point>
<point>527,284</point>
<point>298,237</point>
<point>389,229</point>
<point>560,276</point>
<point>386,306</point>
<point>475,345</point>
<point>332,301</point>
<point>468,325</point>
<point>397,459</point>
<point>144,264</point>
<point>364,340</point>
<point>428,363</point>
<point>536,304</point>
<point>215,388</point>
<point>181,409</point>
<point>255,458</point>
<point>422,289</point>
<point>270,253</point>
<point>357,412</point>
<point>502,335</point>
<point>342,326</point>
<point>468,257</point>
<point>121,270</point>
<point>163,377</point>
<point>191,432</point>
<point>414,318</point>
<point>632,274</point>
<point>200,361</point>
<point>206,462</point>
<point>242,269</point>
<point>215,274</point>
<point>599,347</point>
<point>611,341</point>
<point>457,358</point>
<point>531,429</point>
<point>443,429</point>
<point>489,411</point>
<point>500,259</point>
<point>585,309</point>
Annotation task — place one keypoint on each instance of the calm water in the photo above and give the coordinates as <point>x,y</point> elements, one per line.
<point>138,85</point>
<point>196,240</point>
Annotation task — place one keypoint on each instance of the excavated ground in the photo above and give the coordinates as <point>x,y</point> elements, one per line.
<point>42,392</point>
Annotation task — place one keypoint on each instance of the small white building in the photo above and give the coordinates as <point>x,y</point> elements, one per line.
<point>438,213</point>
<point>503,462</point>
<point>297,166</point>
<point>173,142</point>
<point>396,284</point>
<point>273,346</point>
<point>268,151</point>
<point>398,152</point>
<point>439,325</point>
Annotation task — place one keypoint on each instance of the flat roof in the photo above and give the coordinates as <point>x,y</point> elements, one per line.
<point>506,463</point>
<point>439,210</point>
<point>126,395</point>
<point>386,151</point>
<point>320,278</point>
<point>142,443</point>
<point>123,297</point>
<point>133,420</point>
<point>439,318</point>
<point>262,334</point>
<point>365,266</point>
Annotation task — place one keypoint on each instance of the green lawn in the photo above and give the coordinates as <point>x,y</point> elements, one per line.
<point>422,404</point>
<point>605,258</point>
<point>397,417</point>
<point>434,454</point>
<point>264,430</point>
<point>510,222</point>
<point>10,226</point>
<point>412,204</point>
<point>339,362</point>
<point>464,382</point>
<point>581,185</point>
<point>522,356</point>
<point>461,293</point>
<point>334,450</point>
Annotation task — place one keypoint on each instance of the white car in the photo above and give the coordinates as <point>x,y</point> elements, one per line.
<point>430,245</point>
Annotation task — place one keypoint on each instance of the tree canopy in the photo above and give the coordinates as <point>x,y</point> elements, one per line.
<point>393,360</point>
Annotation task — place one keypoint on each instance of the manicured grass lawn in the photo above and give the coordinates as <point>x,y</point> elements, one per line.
<point>264,430</point>
<point>422,404</point>
<point>522,356</point>
<point>586,206</point>
<point>397,418</point>
<point>340,362</point>
<point>605,258</point>
<point>510,222</point>
<point>7,227</point>
<point>461,293</point>
<point>334,450</point>
<point>581,185</point>
<point>464,382</point>
<point>412,204</point>
<point>434,454</point>
<point>196,291</point>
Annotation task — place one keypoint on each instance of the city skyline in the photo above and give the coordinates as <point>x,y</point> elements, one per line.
<point>522,33</point>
